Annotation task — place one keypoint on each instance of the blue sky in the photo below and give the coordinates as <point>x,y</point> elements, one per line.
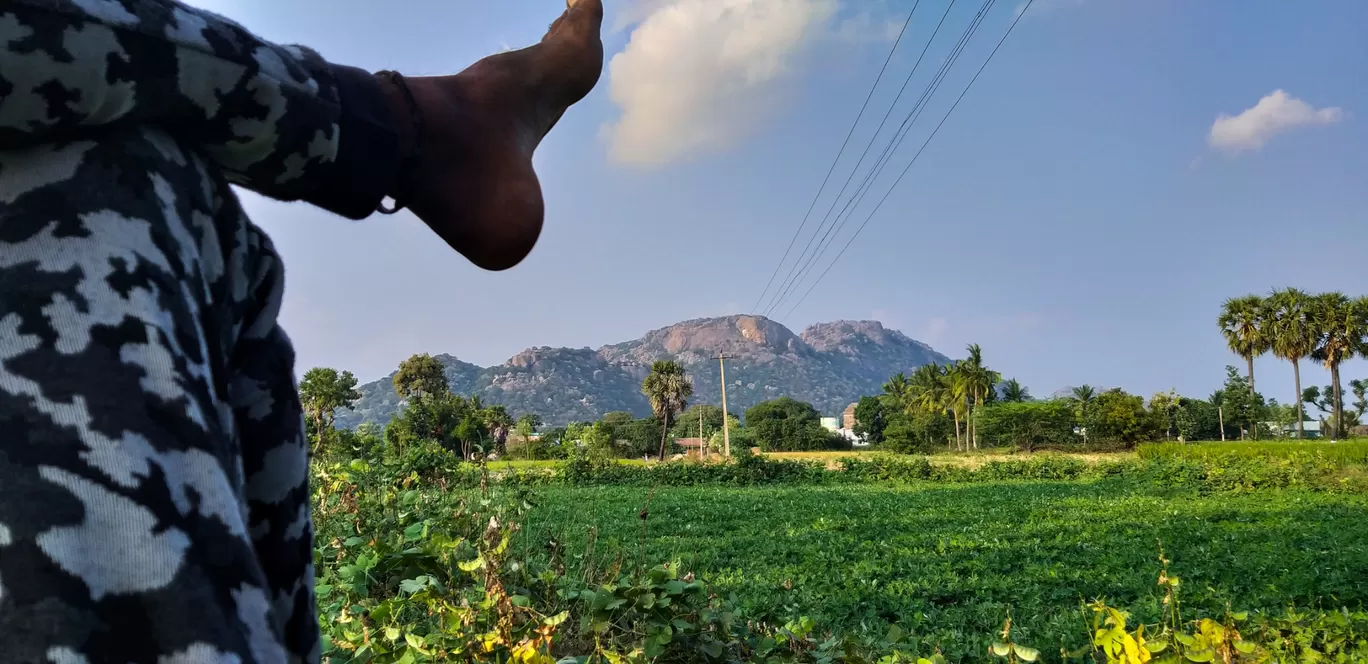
<point>1081,215</point>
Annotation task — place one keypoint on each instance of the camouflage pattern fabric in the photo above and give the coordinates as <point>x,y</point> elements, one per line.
<point>154,502</point>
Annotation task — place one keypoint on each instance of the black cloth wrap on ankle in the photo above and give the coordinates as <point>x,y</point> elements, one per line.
<point>409,162</point>
<point>368,159</point>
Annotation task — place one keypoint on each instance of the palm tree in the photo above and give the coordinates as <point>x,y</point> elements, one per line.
<point>979,380</point>
<point>927,390</point>
<point>900,391</point>
<point>1083,396</point>
<point>499,423</point>
<point>1244,323</point>
<point>1341,328</point>
<point>1014,392</point>
<point>956,396</point>
<point>668,390</point>
<point>1294,337</point>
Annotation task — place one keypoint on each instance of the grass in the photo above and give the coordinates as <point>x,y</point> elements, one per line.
<point>947,562</point>
<point>963,459</point>
<point>528,464</point>
<point>1344,453</point>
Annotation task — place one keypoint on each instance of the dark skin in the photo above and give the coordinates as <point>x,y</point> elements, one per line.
<point>474,184</point>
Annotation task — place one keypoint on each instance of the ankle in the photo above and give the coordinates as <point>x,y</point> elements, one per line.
<point>408,122</point>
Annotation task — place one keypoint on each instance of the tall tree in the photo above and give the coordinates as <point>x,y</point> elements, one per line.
<point>1239,404</point>
<point>1360,389</point>
<point>900,391</point>
<point>1014,392</point>
<point>870,419</point>
<point>1245,325</point>
<point>322,392</point>
<point>979,382</point>
<point>928,392</point>
<point>1340,327</point>
<point>957,391</point>
<point>667,388</point>
<point>499,423</point>
<point>1294,337</point>
<point>1083,398</point>
<point>420,375</point>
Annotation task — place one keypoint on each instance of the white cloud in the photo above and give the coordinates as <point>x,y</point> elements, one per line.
<point>696,75</point>
<point>1274,114</point>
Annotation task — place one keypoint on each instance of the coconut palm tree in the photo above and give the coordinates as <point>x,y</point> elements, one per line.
<point>927,390</point>
<point>1294,336</point>
<point>1014,392</point>
<point>900,391</point>
<point>956,399</point>
<point>1083,396</point>
<point>1341,329</point>
<point>1245,326</point>
<point>668,390</point>
<point>979,381</point>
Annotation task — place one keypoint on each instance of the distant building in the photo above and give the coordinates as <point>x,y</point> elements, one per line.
<point>830,424</point>
<point>1312,429</point>
<point>848,417</point>
<point>690,445</point>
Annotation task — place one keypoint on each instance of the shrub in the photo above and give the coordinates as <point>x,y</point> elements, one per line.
<point>1026,425</point>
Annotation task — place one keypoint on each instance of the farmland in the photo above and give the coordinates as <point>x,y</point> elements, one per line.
<point>784,560</point>
<point>946,563</point>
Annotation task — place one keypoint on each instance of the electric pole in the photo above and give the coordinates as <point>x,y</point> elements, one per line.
<point>726,433</point>
<point>702,444</point>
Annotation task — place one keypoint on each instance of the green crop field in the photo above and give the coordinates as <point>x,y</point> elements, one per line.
<point>947,562</point>
<point>1343,453</point>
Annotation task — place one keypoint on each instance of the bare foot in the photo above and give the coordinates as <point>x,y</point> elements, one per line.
<point>474,184</point>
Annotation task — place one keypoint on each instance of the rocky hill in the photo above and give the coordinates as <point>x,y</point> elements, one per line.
<point>829,365</point>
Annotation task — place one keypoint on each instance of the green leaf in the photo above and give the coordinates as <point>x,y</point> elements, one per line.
<point>521,600</point>
<point>359,465</point>
<point>415,531</point>
<point>392,633</point>
<point>408,658</point>
<point>415,641</point>
<point>472,565</point>
<point>552,621</point>
<point>1156,647</point>
<point>322,589</point>
<point>1201,656</point>
<point>1240,615</point>
<point>1026,654</point>
<point>1244,647</point>
<point>411,586</point>
<point>1000,649</point>
<point>353,541</point>
<point>674,587</point>
<point>894,634</point>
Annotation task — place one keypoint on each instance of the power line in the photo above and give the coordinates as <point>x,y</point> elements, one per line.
<point>796,276</point>
<point>786,285</point>
<point>840,152</point>
<point>914,159</point>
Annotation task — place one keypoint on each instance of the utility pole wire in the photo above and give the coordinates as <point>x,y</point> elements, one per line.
<point>786,285</point>
<point>884,157</point>
<point>914,157</point>
<point>840,152</point>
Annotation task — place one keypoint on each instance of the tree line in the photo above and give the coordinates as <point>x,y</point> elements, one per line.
<point>959,406</point>
<point>1294,325</point>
